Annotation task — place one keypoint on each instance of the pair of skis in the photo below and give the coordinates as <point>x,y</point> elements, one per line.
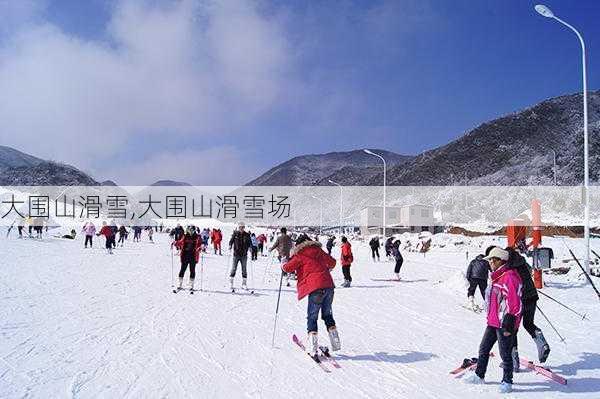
<point>320,358</point>
<point>471,364</point>
<point>176,290</point>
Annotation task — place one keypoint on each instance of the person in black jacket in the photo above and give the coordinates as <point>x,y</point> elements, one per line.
<point>529,301</point>
<point>477,276</point>
<point>374,244</point>
<point>240,242</point>
<point>389,243</point>
<point>330,244</point>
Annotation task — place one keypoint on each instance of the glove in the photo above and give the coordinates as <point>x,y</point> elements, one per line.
<point>508,323</point>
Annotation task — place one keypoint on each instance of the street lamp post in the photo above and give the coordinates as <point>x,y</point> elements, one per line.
<point>321,214</point>
<point>384,187</point>
<point>341,203</point>
<point>554,167</point>
<point>546,12</point>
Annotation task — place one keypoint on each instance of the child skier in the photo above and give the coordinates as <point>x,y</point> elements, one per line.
<point>503,318</point>
<point>346,259</point>
<point>312,266</point>
<point>398,257</point>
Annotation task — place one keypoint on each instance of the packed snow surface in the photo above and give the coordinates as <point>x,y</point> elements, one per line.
<point>82,323</point>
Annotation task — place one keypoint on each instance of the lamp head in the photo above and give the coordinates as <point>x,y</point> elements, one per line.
<point>368,152</point>
<point>545,11</point>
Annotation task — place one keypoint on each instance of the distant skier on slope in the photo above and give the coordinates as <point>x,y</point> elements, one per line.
<point>283,245</point>
<point>477,276</point>
<point>388,247</point>
<point>89,230</point>
<point>109,235</point>
<point>346,259</point>
<point>503,318</point>
<point>189,246</point>
<point>398,257</point>
<point>374,244</point>
<point>240,243</point>
<point>312,266</point>
<point>216,237</point>
<point>330,244</point>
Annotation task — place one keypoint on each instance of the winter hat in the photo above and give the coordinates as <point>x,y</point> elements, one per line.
<point>497,252</point>
<point>303,237</point>
<point>241,224</point>
<point>344,239</point>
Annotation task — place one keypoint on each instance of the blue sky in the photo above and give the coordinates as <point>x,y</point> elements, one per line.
<point>255,84</point>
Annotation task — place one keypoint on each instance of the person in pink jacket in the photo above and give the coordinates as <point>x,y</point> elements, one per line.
<point>503,300</point>
<point>89,230</point>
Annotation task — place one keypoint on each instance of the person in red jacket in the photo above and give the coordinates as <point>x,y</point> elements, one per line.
<point>346,260</point>
<point>189,248</point>
<point>109,234</point>
<point>216,238</point>
<point>312,265</point>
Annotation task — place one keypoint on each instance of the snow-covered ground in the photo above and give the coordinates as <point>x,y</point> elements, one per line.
<point>81,323</point>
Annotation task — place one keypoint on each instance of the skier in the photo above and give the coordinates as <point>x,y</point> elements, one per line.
<point>374,244</point>
<point>122,234</point>
<point>240,242</point>
<point>529,298</point>
<point>346,259</point>
<point>109,235</point>
<point>262,239</point>
<point>89,230</point>
<point>254,248</point>
<point>398,257</point>
<point>216,237</point>
<point>330,244</point>
<point>388,247</point>
<point>178,232</point>
<point>189,248</point>
<point>151,232</point>
<point>477,276</point>
<point>283,244</point>
<point>312,266</point>
<point>503,318</point>
<point>137,233</point>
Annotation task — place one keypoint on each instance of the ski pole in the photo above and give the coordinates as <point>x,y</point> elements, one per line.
<point>201,271</point>
<point>563,305</point>
<point>548,320</point>
<point>595,254</point>
<point>172,285</point>
<point>277,310</point>
<point>584,272</point>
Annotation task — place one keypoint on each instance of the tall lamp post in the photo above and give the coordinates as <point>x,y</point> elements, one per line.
<point>384,187</point>
<point>546,12</point>
<point>341,203</point>
<point>321,214</point>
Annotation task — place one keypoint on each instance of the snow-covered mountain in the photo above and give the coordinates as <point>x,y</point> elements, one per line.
<point>20,169</point>
<point>316,169</point>
<point>515,149</point>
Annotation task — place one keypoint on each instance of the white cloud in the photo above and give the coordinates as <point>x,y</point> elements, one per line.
<point>185,68</point>
<point>215,166</point>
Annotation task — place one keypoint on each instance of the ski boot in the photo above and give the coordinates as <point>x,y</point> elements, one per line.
<point>334,338</point>
<point>191,284</point>
<point>515,360</point>
<point>244,285</point>
<point>542,346</point>
<point>505,387</point>
<point>397,275</point>
<point>180,286</point>
<point>473,379</point>
<point>231,284</point>
<point>312,344</point>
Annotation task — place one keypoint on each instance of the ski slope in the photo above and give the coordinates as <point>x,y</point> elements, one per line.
<point>84,324</point>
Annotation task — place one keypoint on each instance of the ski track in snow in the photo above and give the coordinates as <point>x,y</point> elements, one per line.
<point>82,324</point>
